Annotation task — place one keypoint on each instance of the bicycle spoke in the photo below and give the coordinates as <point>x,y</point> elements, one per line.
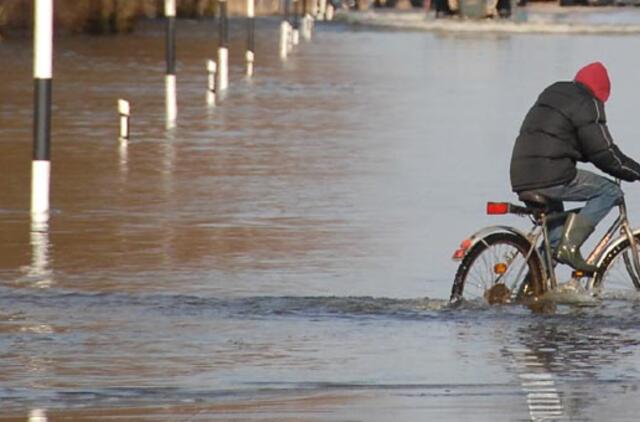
<point>618,279</point>
<point>482,275</point>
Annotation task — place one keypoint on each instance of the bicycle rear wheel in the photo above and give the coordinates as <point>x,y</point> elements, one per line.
<point>615,276</point>
<point>500,268</point>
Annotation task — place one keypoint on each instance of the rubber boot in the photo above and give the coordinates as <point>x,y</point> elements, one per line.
<point>576,230</point>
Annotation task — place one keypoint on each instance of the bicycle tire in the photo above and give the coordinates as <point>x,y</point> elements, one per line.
<point>520,290</point>
<point>613,273</point>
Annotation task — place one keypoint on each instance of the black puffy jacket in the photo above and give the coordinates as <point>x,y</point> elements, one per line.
<point>567,124</point>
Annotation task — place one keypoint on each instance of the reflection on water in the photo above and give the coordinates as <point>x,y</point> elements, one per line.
<point>39,273</point>
<point>37,415</point>
<point>286,252</point>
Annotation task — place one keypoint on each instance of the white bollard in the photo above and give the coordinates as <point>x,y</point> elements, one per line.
<point>307,24</point>
<point>284,39</point>
<point>251,29</point>
<point>42,73</point>
<point>223,48</point>
<point>40,181</point>
<point>295,36</point>
<point>171,100</point>
<point>250,56</point>
<point>37,415</point>
<point>289,38</point>
<point>171,97</point>
<point>322,10</point>
<point>330,12</point>
<point>223,68</point>
<point>295,29</point>
<point>124,110</point>
<point>211,82</point>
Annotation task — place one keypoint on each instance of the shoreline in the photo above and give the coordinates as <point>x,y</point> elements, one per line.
<point>537,18</point>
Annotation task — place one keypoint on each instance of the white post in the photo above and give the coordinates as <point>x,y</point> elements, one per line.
<point>211,82</point>
<point>42,72</point>
<point>170,78</point>
<point>37,415</point>
<point>251,28</point>
<point>330,11</point>
<point>124,110</point>
<point>295,37</point>
<point>223,71</point>
<point>250,57</point>
<point>289,37</point>
<point>307,25</point>
<point>223,48</point>
<point>284,39</point>
<point>295,30</point>
<point>171,100</point>
<point>322,9</point>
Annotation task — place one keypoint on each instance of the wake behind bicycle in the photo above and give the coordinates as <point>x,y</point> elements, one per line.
<point>502,264</point>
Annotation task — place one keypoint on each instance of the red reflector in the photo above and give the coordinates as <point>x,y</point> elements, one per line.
<point>462,250</point>
<point>458,254</point>
<point>497,208</point>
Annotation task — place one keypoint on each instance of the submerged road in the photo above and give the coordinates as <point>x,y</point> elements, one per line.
<point>284,255</point>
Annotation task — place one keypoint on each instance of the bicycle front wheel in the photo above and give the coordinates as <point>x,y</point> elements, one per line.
<point>616,277</point>
<point>500,268</point>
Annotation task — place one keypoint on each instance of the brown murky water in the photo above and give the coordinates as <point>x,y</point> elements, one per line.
<point>285,255</point>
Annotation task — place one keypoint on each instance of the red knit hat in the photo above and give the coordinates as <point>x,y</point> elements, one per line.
<point>595,77</point>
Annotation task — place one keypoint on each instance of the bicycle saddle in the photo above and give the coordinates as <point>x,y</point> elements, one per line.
<point>533,197</point>
<point>540,202</point>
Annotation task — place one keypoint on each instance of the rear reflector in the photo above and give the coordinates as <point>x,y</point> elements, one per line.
<point>462,250</point>
<point>497,208</point>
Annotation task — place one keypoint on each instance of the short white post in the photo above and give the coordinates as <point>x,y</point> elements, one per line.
<point>170,78</point>
<point>295,32</point>
<point>251,29</point>
<point>322,10</point>
<point>289,37</point>
<point>124,110</point>
<point>295,37</point>
<point>223,47</point>
<point>284,39</point>
<point>307,25</point>
<point>211,82</point>
<point>42,72</point>
<point>250,57</point>
<point>330,12</point>
<point>37,415</point>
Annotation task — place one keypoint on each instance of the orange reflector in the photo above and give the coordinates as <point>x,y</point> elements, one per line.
<point>494,208</point>
<point>500,268</point>
<point>462,250</point>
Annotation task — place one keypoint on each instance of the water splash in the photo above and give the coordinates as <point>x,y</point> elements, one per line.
<point>571,293</point>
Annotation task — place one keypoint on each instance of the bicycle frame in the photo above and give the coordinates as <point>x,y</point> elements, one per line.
<point>605,245</point>
<point>541,222</point>
<point>602,248</point>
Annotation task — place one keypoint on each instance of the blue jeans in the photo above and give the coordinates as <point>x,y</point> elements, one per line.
<point>599,193</point>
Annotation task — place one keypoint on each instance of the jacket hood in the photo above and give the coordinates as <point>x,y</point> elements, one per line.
<point>595,77</point>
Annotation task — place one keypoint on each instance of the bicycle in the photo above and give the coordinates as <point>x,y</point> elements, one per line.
<point>501,264</point>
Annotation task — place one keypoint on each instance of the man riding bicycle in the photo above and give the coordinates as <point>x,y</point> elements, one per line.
<point>567,124</point>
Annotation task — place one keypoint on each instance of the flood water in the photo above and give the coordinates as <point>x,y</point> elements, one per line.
<point>285,255</point>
